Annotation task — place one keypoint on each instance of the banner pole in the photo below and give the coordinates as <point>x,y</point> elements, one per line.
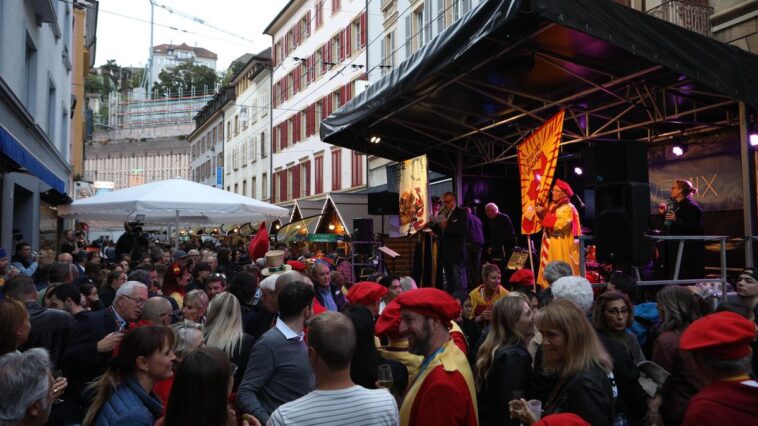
<point>531,261</point>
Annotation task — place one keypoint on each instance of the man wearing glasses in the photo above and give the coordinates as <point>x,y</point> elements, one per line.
<point>452,227</point>
<point>93,340</point>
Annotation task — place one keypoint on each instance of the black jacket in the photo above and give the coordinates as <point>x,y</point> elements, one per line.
<point>587,394</point>
<point>689,221</point>
<point>453,237</point>
<point>632,401</point>
<point>82,363</point>
<point>499,235</point>
<point>511,370</point>
<point>51,329</point>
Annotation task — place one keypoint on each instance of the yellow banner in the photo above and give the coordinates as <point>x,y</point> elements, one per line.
<point>537,156</point>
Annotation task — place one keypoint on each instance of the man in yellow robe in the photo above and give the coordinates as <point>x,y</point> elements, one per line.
<point>560,224</point>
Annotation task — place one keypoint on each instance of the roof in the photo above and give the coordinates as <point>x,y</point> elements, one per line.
<point>258,62</point>
<point>282,14</point>
<point>199,51</point>
<point>482,85</point>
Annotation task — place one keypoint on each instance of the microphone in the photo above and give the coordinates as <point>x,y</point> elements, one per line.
<point>581,203</point>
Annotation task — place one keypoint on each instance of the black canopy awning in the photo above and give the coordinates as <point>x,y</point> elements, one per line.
<point>507,66</point>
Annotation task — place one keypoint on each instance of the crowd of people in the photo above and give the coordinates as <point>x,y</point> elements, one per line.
<point>217,335</point>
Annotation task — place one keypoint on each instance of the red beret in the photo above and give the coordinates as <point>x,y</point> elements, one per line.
<point>522,277</point>
<point>562,419</point>
<point>388,323</point>
<point>724,335</point>
<point>365,293</point>
<point>565,187</point>
<point>297,265</point>
<point>430,302</point>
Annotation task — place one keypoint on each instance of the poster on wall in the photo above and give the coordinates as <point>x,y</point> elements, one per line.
<point>712,167</point>
<point>414,196</point>
<point>537,156</point>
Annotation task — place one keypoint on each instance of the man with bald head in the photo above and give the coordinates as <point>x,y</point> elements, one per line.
<point>499,237</point>
<point>157,311</point>
<point>66,257</point>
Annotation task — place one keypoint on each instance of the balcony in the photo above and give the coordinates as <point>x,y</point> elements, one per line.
<point>686,14</point>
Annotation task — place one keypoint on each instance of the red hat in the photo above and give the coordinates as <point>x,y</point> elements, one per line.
<point>430,302</point>
<point>562,419</point>
<point>565,187</point>
<point>388,323</point>
<point>522,277</point>
<point>724,335</point>
<point>365,293</point>
<point>297,266</point>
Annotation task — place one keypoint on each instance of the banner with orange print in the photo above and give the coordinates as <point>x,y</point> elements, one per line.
<point>537,156</point>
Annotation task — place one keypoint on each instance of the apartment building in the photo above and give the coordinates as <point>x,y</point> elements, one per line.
<point>207,140</point>
<point>319,63</point>
<point>36,69</point>
<point>247,148</point>
<point>168,56</point>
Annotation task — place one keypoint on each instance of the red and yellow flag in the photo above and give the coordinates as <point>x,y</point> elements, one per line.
<point>537,156</point>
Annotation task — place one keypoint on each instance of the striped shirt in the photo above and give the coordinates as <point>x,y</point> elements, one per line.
<point>351,406</point>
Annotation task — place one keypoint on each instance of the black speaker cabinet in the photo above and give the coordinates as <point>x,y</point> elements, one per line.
<point>615,162</point>
<point>383,203</point>
<point>363,229</point>
<point>621,218</point>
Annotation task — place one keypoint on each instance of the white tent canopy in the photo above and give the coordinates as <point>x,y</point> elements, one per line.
<point>172,201</point>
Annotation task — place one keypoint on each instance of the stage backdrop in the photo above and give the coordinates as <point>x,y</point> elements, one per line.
<point>536,159</point>
<point>414,196</point>
<point>712,166</point>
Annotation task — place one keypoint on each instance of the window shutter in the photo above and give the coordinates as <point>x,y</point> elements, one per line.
<point>348,40</point>
<point>308,23</point>
<point>440,16</point>
<point>363,29</point>
<point>285,136</point>
<point>296,181</point>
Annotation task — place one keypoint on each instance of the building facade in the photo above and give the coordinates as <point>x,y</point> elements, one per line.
<point>207,140</point>
<point>167,56</point>
<point>247,149</point>
<point>35,118</point>
<point>319,61</point>
<point>83,59</point>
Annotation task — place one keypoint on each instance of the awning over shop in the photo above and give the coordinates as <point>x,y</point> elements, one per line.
<point>474,92</point>
<point>297,229</point>
<point>305,209</point>
<point>16,152</point>
<point>339,209</point>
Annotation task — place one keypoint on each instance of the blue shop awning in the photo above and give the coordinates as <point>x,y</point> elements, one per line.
<point>16,152</point>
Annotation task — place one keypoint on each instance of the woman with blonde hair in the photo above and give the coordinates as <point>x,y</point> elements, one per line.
<point>195,306</point>
<point>124,394</point>
<point>223,330</point>
<point>503,363</point>
<point>573,354</point>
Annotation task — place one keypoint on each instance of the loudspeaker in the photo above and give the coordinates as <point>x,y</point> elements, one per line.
<point>621,218</point>
<point>383,203</point>
<point>363,229</point>
<point>615,162</point>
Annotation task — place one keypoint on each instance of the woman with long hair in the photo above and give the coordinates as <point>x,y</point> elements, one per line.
<point>124,394</point>
<point>684,216</point>
<point>678,308</point>
<point>223,330</point>
<point>612,316</point>
<point>201,390</point>
<point>364,367</point>
<point>226,264</point>
<point>176,282</point>
<point>243,287</point>
<point>503,363</point>
<point>573,354</point>
<point>14,325</point>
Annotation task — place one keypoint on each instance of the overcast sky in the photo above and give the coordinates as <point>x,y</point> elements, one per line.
<point>123,28</point>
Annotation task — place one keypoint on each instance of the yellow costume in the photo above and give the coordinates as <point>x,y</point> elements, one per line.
<point>560,226</point>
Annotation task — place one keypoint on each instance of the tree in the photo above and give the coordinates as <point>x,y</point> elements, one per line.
<point>185,77</point>
<point>234,68</point>
<point>94,84</point>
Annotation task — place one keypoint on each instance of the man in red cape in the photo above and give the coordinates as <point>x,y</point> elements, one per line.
<point>443,392</point>
<point>259,244</point>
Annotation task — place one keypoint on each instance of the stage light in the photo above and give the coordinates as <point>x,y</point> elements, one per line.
<point>375,139</point>
<point>678,150</point>
<point>331,227</point>
<point>578,171</point>
<point>753,138</point>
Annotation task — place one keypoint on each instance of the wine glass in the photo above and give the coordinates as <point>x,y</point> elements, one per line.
<point>57,374</point>
<point>384,378</point>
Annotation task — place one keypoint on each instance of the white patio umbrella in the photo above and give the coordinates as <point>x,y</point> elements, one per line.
<point>170,202</point>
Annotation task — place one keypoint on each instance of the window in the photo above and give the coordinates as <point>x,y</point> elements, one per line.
<point>319,13</point>
<point>229,130</point>
<point>336,6</point>
<point>51,115</point>
<point>335,49</point>
<point>355,36</point>
<point>388,52</point>
<point>356,170</point>
<point>319,174</point>
<point>336,100</point>
<point>290,186</point>
<point>303,126</point>
<point>236,188</point>
<point>253,188</point>
<point>264,186</point>
<point>243,153</point>
<point>305,178</point>
<point>263,144</point>
<point>418,29</point>
<point>337,169</point>
<point>244,187</point>
<point>236,125</point>
<point>30,73</point>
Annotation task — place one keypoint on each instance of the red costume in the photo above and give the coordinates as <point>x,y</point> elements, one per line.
<point>724,403</point>
<point>259,244</point>
<point>443,392</point>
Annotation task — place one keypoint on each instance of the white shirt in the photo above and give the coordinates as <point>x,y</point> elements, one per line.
<point>344,407</point>
<point>288,332</point>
